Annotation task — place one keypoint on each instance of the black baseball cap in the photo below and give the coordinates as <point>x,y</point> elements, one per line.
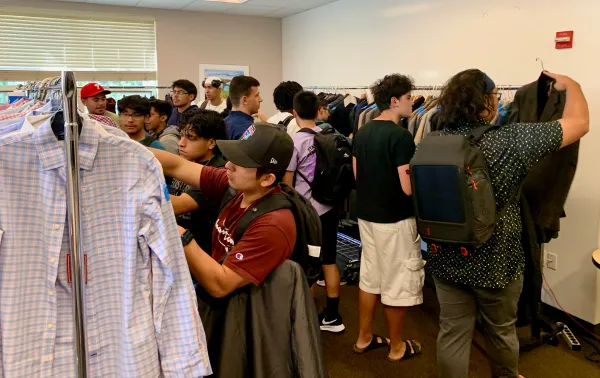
<point>263,145</point>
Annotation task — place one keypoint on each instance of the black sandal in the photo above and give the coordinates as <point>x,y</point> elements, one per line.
<point>412,349</point>
<point>376,343</point>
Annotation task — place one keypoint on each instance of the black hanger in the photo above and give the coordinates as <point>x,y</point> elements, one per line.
<point>58,125</point>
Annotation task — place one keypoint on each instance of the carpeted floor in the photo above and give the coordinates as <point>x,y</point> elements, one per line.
<point>544,362</point>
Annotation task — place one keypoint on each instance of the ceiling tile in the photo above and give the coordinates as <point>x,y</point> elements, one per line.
<point>269,8</point>
<point>251,10</point>
<point>284,12</point>
<point>171,4</point>
<point>125,3</point>
<point>274,3</point>
<point>209,6</point>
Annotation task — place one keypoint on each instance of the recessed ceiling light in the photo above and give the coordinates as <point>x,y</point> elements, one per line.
<point>229,1</point>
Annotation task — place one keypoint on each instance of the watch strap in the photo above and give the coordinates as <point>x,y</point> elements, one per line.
<point>187,237</point>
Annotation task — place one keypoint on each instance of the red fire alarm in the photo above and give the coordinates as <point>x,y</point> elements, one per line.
<point>564,40</point>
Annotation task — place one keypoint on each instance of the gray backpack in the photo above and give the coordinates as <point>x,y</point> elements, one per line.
<point>452,190</point>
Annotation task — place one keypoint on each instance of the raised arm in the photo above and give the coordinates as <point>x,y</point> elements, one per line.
<point>178,168</point>
<point>576,117</point>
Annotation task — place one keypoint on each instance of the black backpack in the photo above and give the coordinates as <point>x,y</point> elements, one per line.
<point>308,226</point>
<point>452,190</point>
<point>285,123</point>
<point>334,177</point>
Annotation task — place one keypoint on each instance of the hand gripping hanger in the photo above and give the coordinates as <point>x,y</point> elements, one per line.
<point>69,90</point>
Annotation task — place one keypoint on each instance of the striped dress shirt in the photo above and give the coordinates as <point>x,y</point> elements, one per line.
<point>141,311</point>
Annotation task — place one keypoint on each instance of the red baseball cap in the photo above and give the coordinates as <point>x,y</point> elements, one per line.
<point>92,89</point>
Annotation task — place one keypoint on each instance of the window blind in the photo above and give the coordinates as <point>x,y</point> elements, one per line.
<point>79,44</point>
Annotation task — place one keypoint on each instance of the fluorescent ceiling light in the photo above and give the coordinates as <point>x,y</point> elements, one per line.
<point>229,1</point>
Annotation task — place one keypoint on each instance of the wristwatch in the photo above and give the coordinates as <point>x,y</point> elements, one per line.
<point>187,237</point>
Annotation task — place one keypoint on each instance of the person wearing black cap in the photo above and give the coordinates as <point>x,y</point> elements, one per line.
<point>257,163</point>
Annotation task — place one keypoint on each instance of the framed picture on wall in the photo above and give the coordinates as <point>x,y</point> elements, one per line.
<point>225,72</point>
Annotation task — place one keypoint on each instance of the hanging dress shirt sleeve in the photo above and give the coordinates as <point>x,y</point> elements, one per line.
<point>179,331</point>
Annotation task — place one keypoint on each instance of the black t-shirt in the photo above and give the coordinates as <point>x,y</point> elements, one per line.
<point>199,222</point>
<point>380,147</point>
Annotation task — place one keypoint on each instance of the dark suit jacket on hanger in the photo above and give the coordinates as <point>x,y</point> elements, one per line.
<point>548,183</point>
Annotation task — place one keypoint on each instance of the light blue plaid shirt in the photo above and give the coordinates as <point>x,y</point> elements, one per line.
<point>141,310</point>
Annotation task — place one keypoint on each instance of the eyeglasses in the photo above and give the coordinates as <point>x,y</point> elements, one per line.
<point>179,93</point>
<point>498,94</point>
<point>132,115</point>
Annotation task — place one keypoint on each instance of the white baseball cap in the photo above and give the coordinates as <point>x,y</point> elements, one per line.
<point>211,80</point>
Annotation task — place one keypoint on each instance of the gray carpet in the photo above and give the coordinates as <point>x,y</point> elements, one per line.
<point>544,362</point>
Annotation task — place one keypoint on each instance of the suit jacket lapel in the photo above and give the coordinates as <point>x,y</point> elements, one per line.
<point>550,107</point>
<point>530,107</point>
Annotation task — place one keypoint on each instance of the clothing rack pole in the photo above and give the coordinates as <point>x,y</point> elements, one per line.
<point>77,263</point>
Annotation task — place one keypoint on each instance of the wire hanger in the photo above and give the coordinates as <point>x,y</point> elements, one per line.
<point>542,63</point>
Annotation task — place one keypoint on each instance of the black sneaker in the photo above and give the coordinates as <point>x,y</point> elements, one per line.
<point>335,325</point>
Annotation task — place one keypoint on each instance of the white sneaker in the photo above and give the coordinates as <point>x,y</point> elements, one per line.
<point>322,283</point>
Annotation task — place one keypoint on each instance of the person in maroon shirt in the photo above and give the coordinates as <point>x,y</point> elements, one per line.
<point>257,163</point>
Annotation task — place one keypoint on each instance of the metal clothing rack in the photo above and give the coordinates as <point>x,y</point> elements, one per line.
<point>69,90</point>
<point>510,87</point>
<point>72,130</point>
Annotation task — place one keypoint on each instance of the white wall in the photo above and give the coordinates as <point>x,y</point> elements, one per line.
<point>354,42</point>
<point>185,39</point>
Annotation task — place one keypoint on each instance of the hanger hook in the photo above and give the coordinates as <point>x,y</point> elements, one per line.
<point>542,62</point>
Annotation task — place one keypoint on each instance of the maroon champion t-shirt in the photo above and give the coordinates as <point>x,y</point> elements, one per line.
<point>268,241</point>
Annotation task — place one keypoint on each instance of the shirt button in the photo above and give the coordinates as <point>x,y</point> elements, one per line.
<point>47,358</point>
<point>51,293</point>
<point>57,226</point>
<point>50,326</point>
<point>53,260</point>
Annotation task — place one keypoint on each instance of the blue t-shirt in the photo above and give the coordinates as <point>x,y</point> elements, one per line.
<point>176,116</point>
<point>237,123</point>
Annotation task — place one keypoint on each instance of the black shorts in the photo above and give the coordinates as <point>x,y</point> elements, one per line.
<point>329,226</point>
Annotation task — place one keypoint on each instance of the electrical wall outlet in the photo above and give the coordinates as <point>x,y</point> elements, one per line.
<point>551,261</point>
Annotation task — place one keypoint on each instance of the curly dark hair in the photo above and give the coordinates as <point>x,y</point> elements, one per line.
<point>283,95</point>
<point>136,103</point>
<point>203,123</point>
<point>464,98</point>
<point>391,86</point>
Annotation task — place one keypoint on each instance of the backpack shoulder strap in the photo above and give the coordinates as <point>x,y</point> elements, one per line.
<point>478,133</point>
<point>268,204</point>
<point>203,106</point>
<point>308,131</point>
<point>229,194</point>
<point>287,121</point>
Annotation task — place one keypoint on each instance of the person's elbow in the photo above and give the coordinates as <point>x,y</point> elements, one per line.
<point>220,289</point>
<point>218,292</point>
<point>585,127</point>
<point>407,190</point>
